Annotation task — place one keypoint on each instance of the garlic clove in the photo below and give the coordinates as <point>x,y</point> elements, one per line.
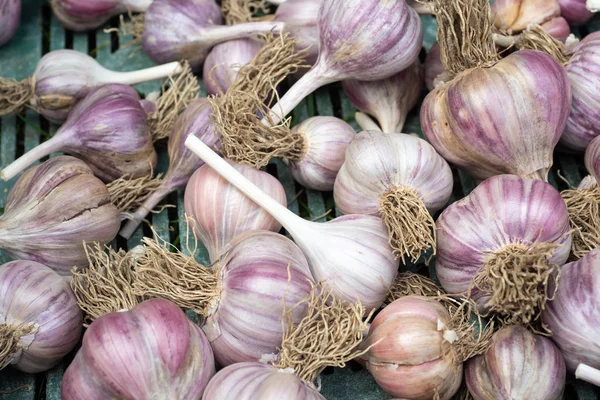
<point>514,16</point>
<point>10,15</point>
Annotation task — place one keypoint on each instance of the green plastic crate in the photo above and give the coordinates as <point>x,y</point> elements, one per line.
<point>40,33</point>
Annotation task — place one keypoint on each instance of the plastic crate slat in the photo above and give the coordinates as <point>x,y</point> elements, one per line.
<point>53,381</point>
<point>570,170</point>
<point>57,35</point>
<point>348,384</point>
<point>15,385</point>
<point>8,149</point>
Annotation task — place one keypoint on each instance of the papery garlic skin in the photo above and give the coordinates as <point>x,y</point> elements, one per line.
<point>260,270</point>
<point>10,15</point>
<point>572,315</point>
<point>326,140</point>
<point>433,66</point>
<point>410,357</point>
<point>592,158</point>
<point>52,209</point>
<point>224,62</point>
<point>505,119</point>
<point>575,11</point>
<point>514,16</point>
<point>501,211</point>
<point>151,351</point>
<point>82,15</point>
<point>388,100</point>
<point>221,212</point>
<point>253,380</point>
<point>517,365</point>
<point>31,293</point>
<point>301,18</point>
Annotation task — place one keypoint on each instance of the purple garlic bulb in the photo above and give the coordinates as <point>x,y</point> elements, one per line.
<point>224,62</point>
<point>150,351</point>
<point>434,69</point>
<point>592,159</point>
<point>107,129</point>
<point>476,122</point>
<point>517,365</point>
<point>572,315</point>
<point>52,209</point>
<point>301,18</point>
<point>388,100</point>
<point>82,15</point>
<point>575,11</point>
<point>505,242</point>
<point>182,162</point>
<point>179,29</point>
<point>326,141</point>
<point>40,321</point>
<point>63,77</point>
<point>10,15</point>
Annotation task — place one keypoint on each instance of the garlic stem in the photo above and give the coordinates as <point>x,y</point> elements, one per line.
<point>29,158</point>
<point>366,123</point>
<point>142,212</point>
<point>143,75</point>
<point>215,34</point>
<point>290,221</point>
<point>588,374</point>
<point>137,5</point>
<point>505,40</point>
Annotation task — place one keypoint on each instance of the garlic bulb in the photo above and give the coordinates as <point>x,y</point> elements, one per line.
<point>221,212</point>
<point>400,178</point>
<point>575,11</point>
<point>388,100</point>
<point>10,15</point>
<point>107,129</point>
<point>196,120</point>
<point>301,18</point>
<point>63,77</point>
<point>412,353</point>
<point>52,209</point>
<point>40,321</point>
<point>326,140</point>
<point>83,15</point>
<point>434,67</point>
<point>518,365</point>
<point>150,351</point>
<point>571,315</point>
<point>350,253</point>
<point>503,244</point>
<point>225,60</point>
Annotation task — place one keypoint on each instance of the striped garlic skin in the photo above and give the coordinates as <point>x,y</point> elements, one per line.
<point>573,315</point>
<point>327,139</point>
<point>518,365</point>
<point>259,270</point>
<point>388,100</point>
<point>502,210</point>
<point>32,293</point>
<point>575,11</point>
<point>301,18</point>
<point>410,358</point>
<point>583,124</point>
<point>503,119</point>
<point>52,209</point>
<point>10,15</point>
<point>514,16</point>
<point>252,381</point>
<point>221,212</point>
<point>376,162</point>
<point>80,15</point>
<point>150,352</point>
<point>592,158</point>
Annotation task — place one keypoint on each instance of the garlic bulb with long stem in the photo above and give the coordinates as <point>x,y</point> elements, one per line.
<point>388,100</point>
<point>575,11</point>
<point>63,77</point>
<point>503,245</point>
<point>10,15</point>
<point>350,253</point>
<point>400,178</point>
<point>220,212</point>
<point>83,15</point>
<point>536,368</point>
<point>495,116</point>
<point>40,321</point>
<point>52,209</point>
<point>150,351</point>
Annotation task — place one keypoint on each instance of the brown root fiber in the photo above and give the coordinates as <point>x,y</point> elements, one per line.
<point>237,114</point>
<point>181,91</point>
<point>411,284</point>
<point>10,340</point>
<point>240,11</point>
<point>129,193</point>
<point>329,335</point>
<point>583,206</point>
<point>176,277</point>
<point>14,95</point>
<point>465,34</point>
<point>518,278</point>
<point>135,28</point>
<point>411,227</point>
<point>106,284</point>
<point>536,38</point>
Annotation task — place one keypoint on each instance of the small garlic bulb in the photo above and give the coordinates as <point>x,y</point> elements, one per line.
<point>10,15</point>
<point>517,365</point>
<point>40,321</point>
<point>326,140</point>
<point>221,212</point>
<point>82,15</point>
